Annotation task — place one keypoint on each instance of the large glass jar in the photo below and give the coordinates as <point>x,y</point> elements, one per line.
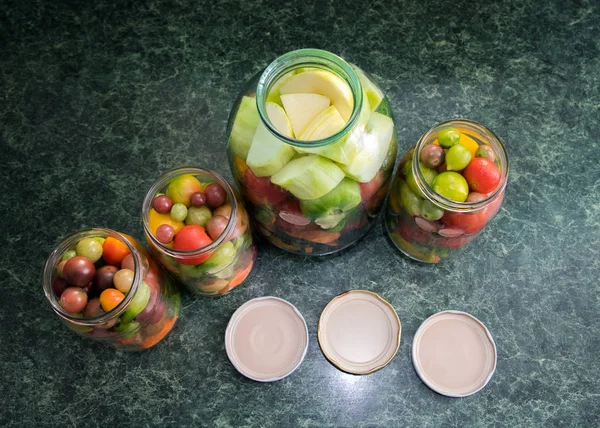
<point>147,311</point>
<point>312,195</point>
<point>427,218</point>
<point>206,262</point>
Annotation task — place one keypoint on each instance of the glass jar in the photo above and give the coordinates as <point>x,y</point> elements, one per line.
<point>211,266</point>
<point>335,185</point>
<point>143,317</point>
<point>423,224</point>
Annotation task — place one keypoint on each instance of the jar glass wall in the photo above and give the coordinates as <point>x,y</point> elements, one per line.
<point>201,232</point>
<point>442,196</point>
<point>312,146</point>
<point>135,311</point>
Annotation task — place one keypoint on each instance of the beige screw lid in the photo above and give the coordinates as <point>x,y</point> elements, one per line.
<point>359,332</point>
<point>266,339</point>
<point>454,354</point>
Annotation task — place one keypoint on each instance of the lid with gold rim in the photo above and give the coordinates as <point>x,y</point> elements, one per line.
<point>359,332</point>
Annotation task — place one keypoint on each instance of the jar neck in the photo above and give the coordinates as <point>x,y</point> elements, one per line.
<point>69,243</point>
<point>164,181</point>
<point>482,135</point>
<point>308,58</point>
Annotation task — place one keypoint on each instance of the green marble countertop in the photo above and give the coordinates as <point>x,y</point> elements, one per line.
<point>99,98</point>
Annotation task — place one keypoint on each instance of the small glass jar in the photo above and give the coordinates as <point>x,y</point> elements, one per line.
<point>221,264</point>
<point>427,226</point>
<point>146,314</point>
<point>341,180</point>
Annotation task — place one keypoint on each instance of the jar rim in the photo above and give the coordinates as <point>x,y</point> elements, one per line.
<point>161,182</point>
<point>67,243</point>
<point>483,133</point>
<point>309,58</point>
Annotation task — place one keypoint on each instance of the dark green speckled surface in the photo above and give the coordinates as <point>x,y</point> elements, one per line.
<point>99,98</point>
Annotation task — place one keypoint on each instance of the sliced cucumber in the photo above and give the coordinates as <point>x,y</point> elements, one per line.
<point>326,124</point>
<point>344,150</point>
<point>268,154</point>
<point>324,83</point>
<point>279,119</point>
<point>373,148</point>
<point>274,93</point>
<point>374,94</point>
<point>244,127</point>
<point>331,208</point>
<point>302,109</point>
<point>309,177</point>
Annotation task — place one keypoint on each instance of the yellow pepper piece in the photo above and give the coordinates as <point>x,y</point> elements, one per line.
<point>241,165</point>
<point>469,143</point>
<point>155,219</point>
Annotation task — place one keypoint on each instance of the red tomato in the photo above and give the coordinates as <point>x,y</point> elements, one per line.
<point>482,175</point>
<point>455,242</point>
<point>367,190</point>
<point>260,190</point>
<point>192,237</point>
<point>290,217</point>
<point>114,251</point>
<point>468,222</point>
<point>413,233</point>
<point>373,192</point>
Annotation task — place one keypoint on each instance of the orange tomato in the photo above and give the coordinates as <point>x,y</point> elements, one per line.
<point>114,251</point>
<point>155,219</point>
<point>110,299</point>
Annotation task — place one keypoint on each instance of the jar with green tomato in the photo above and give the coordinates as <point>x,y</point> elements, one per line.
<point>448,187</point>
<point>105,286</point>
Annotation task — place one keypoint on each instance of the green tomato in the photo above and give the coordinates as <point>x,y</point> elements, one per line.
<point>68,255</point>
<point>221,258</point>
<point>90,248</point>
<point>191,271</point>
<point>430,211</point>
<point>198,215</point>
<point>457,158</point>
<point>429,175</point>
<point>448,137</point>
<point>179,212</point>
<point>485,152</point>
<point>410,201</point>
<point>127,329</point>
<point>137,304</point>
<point>451,185</point>
<point>99,239</point>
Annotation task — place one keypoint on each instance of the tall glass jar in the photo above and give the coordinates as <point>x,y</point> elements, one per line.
<point>146,313</point>
<point>218,263</point>
<point>421,222</point>
<point>313,196</point>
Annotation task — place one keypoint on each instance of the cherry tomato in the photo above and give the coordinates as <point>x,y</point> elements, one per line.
<point>110,299</point>
<point>114,251</point>
<point>482,175</point>
<point>457,158</point>
<point>451,185</point>
<point>448,137</point>
<point>192,237</point>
